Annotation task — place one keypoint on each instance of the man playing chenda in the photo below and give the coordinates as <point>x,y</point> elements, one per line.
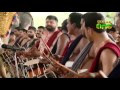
<point>103,46</point>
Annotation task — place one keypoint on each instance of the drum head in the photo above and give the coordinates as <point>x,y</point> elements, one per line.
<point>69,64</point>
<point>32,62</point>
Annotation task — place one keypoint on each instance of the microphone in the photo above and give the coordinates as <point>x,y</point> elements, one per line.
<point>11,47</point>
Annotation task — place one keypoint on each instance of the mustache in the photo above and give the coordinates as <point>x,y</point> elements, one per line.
<point>50,28</point>
<point>30,36</point>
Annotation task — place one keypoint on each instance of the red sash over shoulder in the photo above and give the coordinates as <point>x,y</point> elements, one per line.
<point>37,44</point>
<point>52,38</point>
<point>111,46</point>
<point>66,48</point>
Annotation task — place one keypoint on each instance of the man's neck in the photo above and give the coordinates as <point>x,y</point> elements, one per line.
<point>48,32</point>
<point>99,38</point>
<point>18,37</point>
<point>31,39</point>
<point>77,32</point>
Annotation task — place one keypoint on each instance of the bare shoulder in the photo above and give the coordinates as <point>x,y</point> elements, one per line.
<point>83,43</point>
<point>108,52</point>
<point>63,36</point>
<point>108,60</point>
<point>108,55</point>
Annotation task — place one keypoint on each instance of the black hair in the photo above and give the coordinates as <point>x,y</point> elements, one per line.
<point>75,18</point>
<point>41,27</point>
<point>32,28</point>
<point>51,17</point>
<point>12,33</point>
<point>113,29</point>
<point>18,28</point>
<point>59,27</point>
<point>24,30</point>
<point>64,25</point>
<point>91,20</point>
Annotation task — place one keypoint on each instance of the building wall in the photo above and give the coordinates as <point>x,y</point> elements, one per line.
<point>39,17</point>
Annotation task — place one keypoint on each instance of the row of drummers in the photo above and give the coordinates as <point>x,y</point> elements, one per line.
<point>77,50</point>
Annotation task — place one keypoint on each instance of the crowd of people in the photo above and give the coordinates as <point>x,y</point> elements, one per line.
<point>77,49</point>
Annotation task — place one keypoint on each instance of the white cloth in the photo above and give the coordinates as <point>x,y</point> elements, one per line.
<point>1,42</point>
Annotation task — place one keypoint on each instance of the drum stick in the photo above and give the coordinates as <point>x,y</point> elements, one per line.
<point>47,47</point>
<point>102,74</point>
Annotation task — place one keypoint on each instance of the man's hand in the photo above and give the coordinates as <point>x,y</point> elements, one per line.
<point>51,68</point>
<point>90,75</point>
<point>57,57</point>
<point>19,53</point>
<point>44,61</point>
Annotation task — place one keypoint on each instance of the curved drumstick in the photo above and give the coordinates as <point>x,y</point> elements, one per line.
<point>102,74</point>
<point>21,46</point>
<point>47,46</point>
<point>54,63</point>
